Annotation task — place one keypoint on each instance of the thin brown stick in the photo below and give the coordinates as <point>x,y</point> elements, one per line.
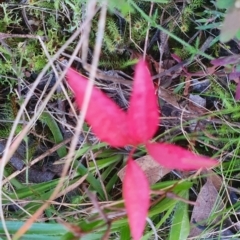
<point>12,35</point>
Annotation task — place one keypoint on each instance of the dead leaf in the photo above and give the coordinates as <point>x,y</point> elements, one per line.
<point>208,200</point>
<point>216,180</point>
<point>197,100</point>
<point>153,171</point>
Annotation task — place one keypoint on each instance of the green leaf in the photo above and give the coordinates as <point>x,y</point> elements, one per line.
<point>208,26</point>
<point>42,229</point>
<point>225,3</point>
<point>125,233</point>
<point>56,132</point>
<point>95,183</point>
<point>103,163</point>
<point>162,220</point>
<point>180,225</point>
<point>123,6</point>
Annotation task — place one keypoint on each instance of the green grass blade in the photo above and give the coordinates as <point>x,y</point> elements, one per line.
<point>56,132</point>
<point>180,225</point>
<point>95,183</point>
<point>47,229</point>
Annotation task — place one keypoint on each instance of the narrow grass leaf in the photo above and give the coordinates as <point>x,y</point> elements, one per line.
<point>180,226</point>
<point>159,222</point>
<point>94,183</point>
<point>175,157</point>
<point>143,109</point>
<point>42,229</point>
<point>108,121</point>
<point>136,195</point>
<point>125,233</point>
<point>56,132</point>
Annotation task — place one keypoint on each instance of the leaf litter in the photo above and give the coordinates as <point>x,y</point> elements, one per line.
<point>153,171</point>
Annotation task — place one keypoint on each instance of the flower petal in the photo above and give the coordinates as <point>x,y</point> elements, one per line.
<point>137,200</point>
<point>175,157</point>
<point>143,112</point>
<point>108,120</point>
